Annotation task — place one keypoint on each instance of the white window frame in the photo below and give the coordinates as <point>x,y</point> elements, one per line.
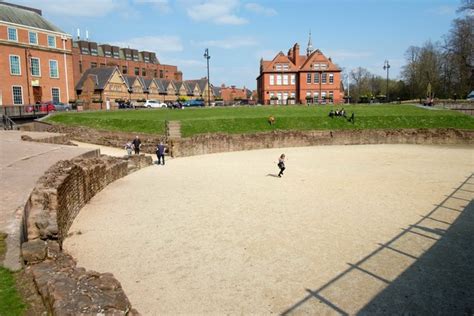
<point>278,81</point>
<point>29,38</point>
<point>286,67</point>
<point>316,78</point>
<point>278,66</point>
<point>324,78</point>
<point>308,78</point>
<point>13,95</point>
<point>39,66</point>
<point>57,68</point>
<point>272,80</point>
<point>54,41</point>
<point>331,78</point>
<point>59,94</point>
<point>285,80</point>
<point>292,79</point>
<point>16,34</point>
<point>19,65</point>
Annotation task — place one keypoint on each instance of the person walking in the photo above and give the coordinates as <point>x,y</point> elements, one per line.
<point>160,153</point>
<point>136,145</point>
<point>281,165</point>
<point>128,147</point>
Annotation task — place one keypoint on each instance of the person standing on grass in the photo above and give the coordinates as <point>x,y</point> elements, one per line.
<point>160,153</point>
<point>281,164</point>
<point>136,145</point>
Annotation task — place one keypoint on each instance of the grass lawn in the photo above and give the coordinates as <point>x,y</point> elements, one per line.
<point>10,301</point>
<point>254,119</point>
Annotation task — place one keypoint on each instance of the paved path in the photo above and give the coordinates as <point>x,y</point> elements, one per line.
<point>220,234</point>
<point>22,163</point>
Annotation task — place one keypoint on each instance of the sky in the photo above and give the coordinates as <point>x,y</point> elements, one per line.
<point>238,33</point>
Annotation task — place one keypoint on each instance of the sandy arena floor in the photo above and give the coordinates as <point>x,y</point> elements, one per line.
<point>220,234</point>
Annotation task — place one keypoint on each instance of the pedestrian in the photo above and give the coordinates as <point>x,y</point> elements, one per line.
<point>352,118</point>
<point>160,153</point>
<point>136,145</point>
<point>128,147</point>
<point>281,164</point>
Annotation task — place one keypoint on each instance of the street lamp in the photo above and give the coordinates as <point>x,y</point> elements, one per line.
<point>207,56</point>
<point>386,66</point>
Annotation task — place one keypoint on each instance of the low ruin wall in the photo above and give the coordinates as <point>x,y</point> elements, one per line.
<point>215,143</point>
<point>56,200</point>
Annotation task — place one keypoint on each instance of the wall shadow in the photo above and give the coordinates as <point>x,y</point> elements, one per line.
<point>427,269</point>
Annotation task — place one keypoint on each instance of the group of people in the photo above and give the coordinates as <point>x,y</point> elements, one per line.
<point>342,113</point>
<point>136,144</point>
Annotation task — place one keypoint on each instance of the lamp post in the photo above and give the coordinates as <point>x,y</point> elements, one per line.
<point>207,56</point>
<point>386,66</point>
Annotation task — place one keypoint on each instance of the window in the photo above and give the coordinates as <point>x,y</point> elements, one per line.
<point>278,67</point>
<point>323,77</point>
<point>316,96</point>
<point>331,78</point>
<point>285,97</point>
<point>292,79</point>
<point>285,79</point>
<point>12,34</point>
<point>279,94</point>
<point>272,80</point>
<point>124,70</point>
<point>55,95</point>
<point>331,96</point>
<point>135,57</point>
<point>52,41</point>
<point>53,69</point>
<point>15,65</point>
<point>128,56</point>
<point>116,54</point>
<point>316,78</point>
<point>93,65</point>
<point>286,67</point>
<point>33,38</point>
<point>161,73</point>
<point>35,67</point>
<point>107,53</point>
<point>308,78</point>
<point>143,72</point>
<point>155,73</point>
<point>278,80</point>
<point>147,59</point>
<point>85,50</point>
<point>80,66</point>
<point>94,51</point>
<point>137,71</point>
<point>17,95</point>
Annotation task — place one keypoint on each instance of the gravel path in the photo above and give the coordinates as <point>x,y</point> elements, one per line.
<point>220,234</point>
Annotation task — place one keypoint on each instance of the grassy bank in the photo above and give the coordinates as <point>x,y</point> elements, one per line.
<point>254,119</point>
<point>10,300</point>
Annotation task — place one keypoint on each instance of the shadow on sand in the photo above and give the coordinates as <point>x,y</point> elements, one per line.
<point>272,175</point>
<point>427,269</point>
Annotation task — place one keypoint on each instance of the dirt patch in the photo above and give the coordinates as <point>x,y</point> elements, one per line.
<point>27,289</point>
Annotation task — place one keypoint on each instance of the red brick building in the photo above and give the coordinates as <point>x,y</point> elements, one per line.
<point>295,78</point>
<point>232,94</point>
<point>35,58</point>
<point>131,62</point>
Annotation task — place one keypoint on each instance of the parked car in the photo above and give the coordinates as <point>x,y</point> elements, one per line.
<point>125,105</point>
<point>191,103</point>
<point>154,104</point>
<point>62,107</point>
<point>42,107</point>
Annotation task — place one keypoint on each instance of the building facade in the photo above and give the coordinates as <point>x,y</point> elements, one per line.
<point>293,78</point>
<point>130,62</point>
<point>35,58</point>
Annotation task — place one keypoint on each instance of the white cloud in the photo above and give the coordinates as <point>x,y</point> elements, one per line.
<point>164,43</point>
<point>259,9</point>
<point>215,11</point>
<point>229,43</point>
<point>75,8</point>
<point>443,10</point>
<point>162,6</point>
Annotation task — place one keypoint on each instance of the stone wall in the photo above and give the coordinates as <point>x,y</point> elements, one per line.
<point>50,211</point>
<point>215,143</point>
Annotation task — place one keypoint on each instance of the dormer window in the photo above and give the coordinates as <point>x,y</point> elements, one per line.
<point>278,66</point>
<point>84,50</point>
<point>94,51</point>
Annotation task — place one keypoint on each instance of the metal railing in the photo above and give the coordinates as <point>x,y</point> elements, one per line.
<point>8,124</point>
<point>25,111</point>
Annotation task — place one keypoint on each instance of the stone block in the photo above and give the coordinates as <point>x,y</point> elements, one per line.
<point>33,251</point>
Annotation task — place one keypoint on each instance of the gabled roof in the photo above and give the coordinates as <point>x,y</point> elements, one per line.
<point>102,76</point>
<point>216,91</point>
<point>318,56</point>
<point>147,83</point>
<point>200,82</point>
<point>161,86</point>
<point>167,83</point>
<point>130,80</point>
<point>279,58</point>
<point>25,16</point>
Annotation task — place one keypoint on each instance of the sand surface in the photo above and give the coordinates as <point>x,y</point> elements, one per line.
<point>220,234</point>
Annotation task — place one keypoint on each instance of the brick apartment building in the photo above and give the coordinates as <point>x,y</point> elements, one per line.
<point>35,58</point>
<point>232,94</point>
<point>295,78</point>
<point>131,62</point>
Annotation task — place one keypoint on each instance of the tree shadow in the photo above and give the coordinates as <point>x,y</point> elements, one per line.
<point>426,269</point>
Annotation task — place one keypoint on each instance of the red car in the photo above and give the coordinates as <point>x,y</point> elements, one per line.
<point>43,107</point>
